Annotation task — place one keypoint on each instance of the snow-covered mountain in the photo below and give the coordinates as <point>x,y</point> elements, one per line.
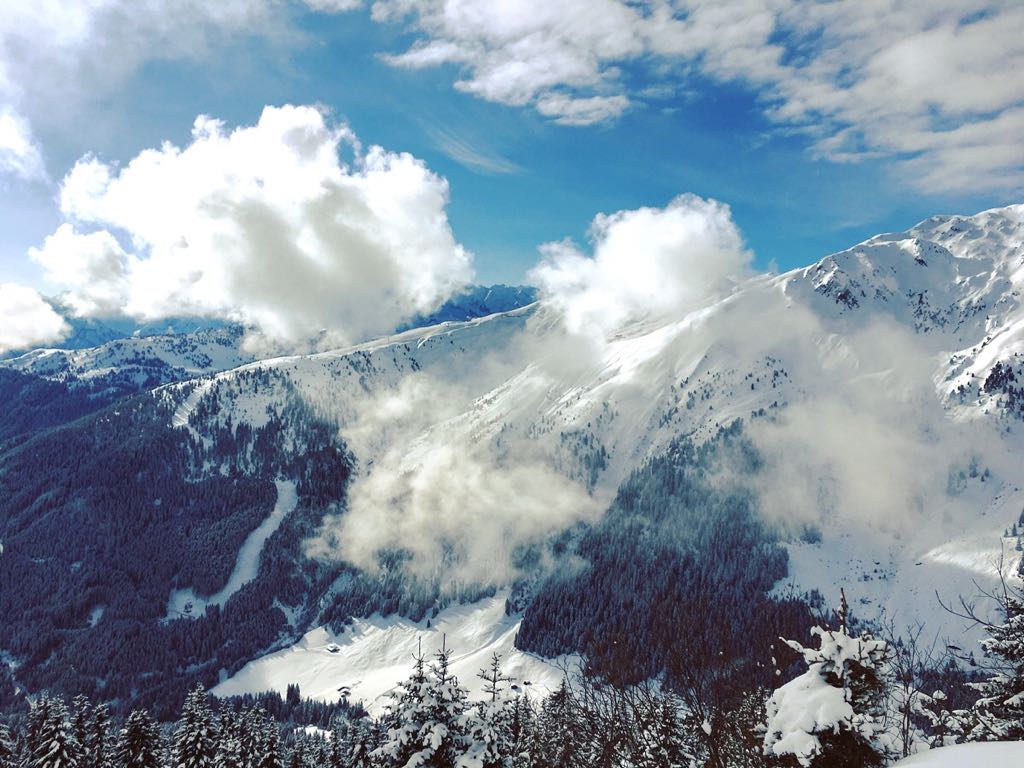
<point>880,391</point>
<point>133,363</point>
<point>882,386</point>
<point>125,354</point>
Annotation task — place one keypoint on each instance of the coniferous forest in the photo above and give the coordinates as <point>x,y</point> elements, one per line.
<point>858,700</point>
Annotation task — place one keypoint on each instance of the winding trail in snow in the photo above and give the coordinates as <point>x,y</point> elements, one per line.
<point>247,564</point>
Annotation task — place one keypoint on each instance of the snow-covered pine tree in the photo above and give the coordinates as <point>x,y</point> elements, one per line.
<point>81,713</point>
<point>297,755</point>
<point>339,747</point>
<point>424,726</point>
<point>406,717</point>
<point>55,745</point>
<point>229,742</point>
<point>833,714</point>
<point>998,714</point>
<point>558,730</point>
<point>443,737</point>
<point>8,752</point>
<point>665,748</point>
<point>363,743</point>
<point>98,748</point>
<point>270,747</point>
<point>486,724</point>
<point>139,742</point>
<point>251,729</point>
<point>195,740</point>
<point>523,734</point>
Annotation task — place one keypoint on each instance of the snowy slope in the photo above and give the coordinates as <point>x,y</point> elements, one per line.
<point>370,657</point>
<point>995,754</point>
<point>873,381</point>
<point>140,361</point>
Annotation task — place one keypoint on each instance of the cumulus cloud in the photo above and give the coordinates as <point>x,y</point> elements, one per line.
<point>862,80</point>
<point>93,265</point>
<point>265,225</point>
<point>26,320</point>
<point>645,262</point>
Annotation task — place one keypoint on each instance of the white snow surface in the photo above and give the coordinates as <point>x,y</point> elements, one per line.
<point>140,359</point>
<point>988,754</point>
<point>373,655</point>
<point>247,563</point>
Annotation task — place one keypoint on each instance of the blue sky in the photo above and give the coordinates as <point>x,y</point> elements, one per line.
<point>811,159</point>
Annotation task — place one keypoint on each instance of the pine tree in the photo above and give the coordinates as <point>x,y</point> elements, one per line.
<point>229,742</point>
<point>363,744</point>
<point>252,727</point>
<point>97,746</point>
<point>487,724</point>
<point>424,724</point>
<point>406,717</point>
<point>338,749</point>
<point>297,757</point>
<point>270,747</point>
<point>558,730</point>
<point>998,714</point>
<point>55,745</point>
<point>81,715</point>
<point>195,743</point>
<point>8,753</point>
<point>139,742</point>
<point>666,749</point>
<point>443,738</point>
<point>833,714</point>
<point>523,734</point>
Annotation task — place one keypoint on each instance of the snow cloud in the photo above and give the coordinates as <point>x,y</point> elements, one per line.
<point>265,225</point>
<point>26,320</point>
<point>646,262</point>
<point>861,79</point>
<point>864,442</point>
<point>435,483</point>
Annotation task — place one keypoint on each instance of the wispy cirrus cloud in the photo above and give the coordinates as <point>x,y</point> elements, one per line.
<point>476,156</point>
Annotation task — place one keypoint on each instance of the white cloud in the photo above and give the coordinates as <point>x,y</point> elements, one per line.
<point>265,225</point>
<point>19,153</point>
<point>476,156</point>
<point>26,320</point>
<point>58,56</point>
<point>94,266</point>
<point>646,262</point>
<point>864,79</point>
